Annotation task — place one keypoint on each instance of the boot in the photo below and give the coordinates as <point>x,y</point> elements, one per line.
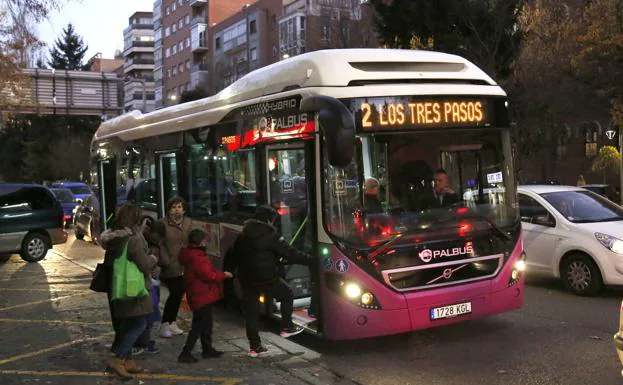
<point>132,367</point>
<point>210,352</point>
<point>118,365</point>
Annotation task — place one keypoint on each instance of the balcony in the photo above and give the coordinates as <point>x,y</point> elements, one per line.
<point>199,19</point>
<point>198,3</point>
<point>198,74</point>
<point>139,46</point>
<point>138,64</point>
<point>138,26</point>
<point>199,44</point>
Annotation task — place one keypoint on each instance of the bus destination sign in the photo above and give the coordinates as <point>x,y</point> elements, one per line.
<point>404,113</point>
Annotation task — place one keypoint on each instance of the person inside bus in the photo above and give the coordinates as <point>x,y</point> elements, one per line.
<point>371,202</point>
<point>444,194</point>
<point>255,256</point>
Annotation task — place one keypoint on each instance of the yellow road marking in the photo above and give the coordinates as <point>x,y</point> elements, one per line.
<point>143,376</point>
<point>45,300</point>
<point>51,348</point>
<point>54,321</point>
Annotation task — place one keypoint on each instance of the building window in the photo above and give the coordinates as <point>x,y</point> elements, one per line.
<point>590,141</point>
<point>167,32</point>
<point>188,64</point>
<point>325,32</point>
<point>187,41</point>
<point>173,7</point>
<point>174,71</point>
<point>167,52</point>
<point>187,19</point>
<point>253,53</point>
<point>174,28</point>
<point>180,24</point>
<point>179,2</point>
<point>173,50</point>
<point>180,46</point>
<point>217,43</point>
<point>252,27</point>
<point>168,10</point>
<point>169,72</point>
<point>180,68</point>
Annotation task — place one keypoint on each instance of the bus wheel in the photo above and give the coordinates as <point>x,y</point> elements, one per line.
<point>581,275</point>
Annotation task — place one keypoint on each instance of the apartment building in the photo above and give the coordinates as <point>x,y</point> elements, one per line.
<point>243,42</point>
<point>181,48</point>
<point>138,67</point>
<point>310,25</point>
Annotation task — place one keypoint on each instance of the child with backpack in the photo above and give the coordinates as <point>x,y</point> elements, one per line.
<point>201,283</point>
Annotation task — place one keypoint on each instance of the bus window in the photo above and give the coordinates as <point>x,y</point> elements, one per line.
<point>221,182</point>
<point>168,177</point>
<point>288,192</point>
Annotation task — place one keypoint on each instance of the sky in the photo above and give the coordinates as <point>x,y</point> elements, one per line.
<point>99,22</point>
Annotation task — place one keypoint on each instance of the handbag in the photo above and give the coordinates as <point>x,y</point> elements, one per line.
<point>100,282</point>
<point>128,281</point>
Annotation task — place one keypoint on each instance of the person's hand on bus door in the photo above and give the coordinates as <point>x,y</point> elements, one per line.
<point>228,274</point>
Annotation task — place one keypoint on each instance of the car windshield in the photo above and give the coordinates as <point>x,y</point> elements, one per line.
<point>584,206</point>
<point>440,184</point>
<point>80,190</point>
<point>63,195</point>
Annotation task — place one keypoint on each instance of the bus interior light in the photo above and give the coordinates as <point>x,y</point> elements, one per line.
<point>262,299</point>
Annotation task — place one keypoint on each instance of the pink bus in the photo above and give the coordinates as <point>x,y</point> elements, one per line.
<point>393,168</point>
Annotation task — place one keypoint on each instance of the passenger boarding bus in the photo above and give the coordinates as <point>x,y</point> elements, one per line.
<point>307,135</point>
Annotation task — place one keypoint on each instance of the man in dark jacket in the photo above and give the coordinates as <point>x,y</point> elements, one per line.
<point>256,254</point>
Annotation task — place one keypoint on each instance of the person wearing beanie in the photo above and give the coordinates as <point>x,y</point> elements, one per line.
<point>256,255</point>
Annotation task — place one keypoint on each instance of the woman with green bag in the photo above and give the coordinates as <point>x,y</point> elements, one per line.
<point>127,261</point>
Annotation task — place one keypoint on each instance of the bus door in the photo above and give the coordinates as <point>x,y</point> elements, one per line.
<point>289,173</point>
<point>167,177</point>
<point>107,181</point>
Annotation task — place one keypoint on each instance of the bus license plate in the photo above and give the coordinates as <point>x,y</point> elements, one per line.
<point>450,310</point>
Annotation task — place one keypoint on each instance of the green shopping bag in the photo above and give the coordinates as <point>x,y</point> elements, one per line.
<point>127,280</point>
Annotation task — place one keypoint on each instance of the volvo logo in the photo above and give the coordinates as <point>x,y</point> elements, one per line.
<point>447,273</point>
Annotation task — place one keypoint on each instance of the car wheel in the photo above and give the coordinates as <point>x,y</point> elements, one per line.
<point>581,275</point>
<point>34,247</point>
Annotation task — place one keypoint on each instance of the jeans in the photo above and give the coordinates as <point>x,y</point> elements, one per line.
<point>129,332</point>
<point>282,292</point>
<point>172,305</point>
<point>116,324</point>
<point>201,327</point>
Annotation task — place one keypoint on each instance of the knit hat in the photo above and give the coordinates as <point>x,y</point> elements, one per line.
<point>265,213</point>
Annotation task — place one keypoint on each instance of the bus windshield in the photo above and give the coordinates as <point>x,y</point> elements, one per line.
<point>443,184</point>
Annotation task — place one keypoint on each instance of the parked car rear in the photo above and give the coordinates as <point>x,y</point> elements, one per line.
<point>31,220</point>
<point>67,201</point>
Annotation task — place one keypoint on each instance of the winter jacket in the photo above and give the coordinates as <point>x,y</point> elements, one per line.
<point>256,254</point>
<point>113,241</point>
<point>176,237</point>
<point>201,279</point>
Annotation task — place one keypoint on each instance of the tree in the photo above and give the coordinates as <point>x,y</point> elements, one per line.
<point>483,31</point>
<point>17,41</point>
<point>608,159</point>
<point>599,61</point>
<point>68,52</point>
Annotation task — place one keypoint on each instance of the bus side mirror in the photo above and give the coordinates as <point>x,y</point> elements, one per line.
<point>337,125</point>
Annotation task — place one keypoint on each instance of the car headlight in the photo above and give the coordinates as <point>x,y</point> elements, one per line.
<point>612,243</point>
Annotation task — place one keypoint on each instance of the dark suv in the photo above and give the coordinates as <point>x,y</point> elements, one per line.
<point>31,220</point>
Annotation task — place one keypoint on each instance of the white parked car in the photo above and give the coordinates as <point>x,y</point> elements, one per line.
<point>573,234</point>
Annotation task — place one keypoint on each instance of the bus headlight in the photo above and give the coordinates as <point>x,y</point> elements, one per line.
<point>352,290</point>
<point>519,267</point>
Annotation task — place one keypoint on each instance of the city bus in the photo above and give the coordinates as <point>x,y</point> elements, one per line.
<point>304,135</point>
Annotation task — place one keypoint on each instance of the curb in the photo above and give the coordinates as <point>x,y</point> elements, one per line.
<point>303,364</point>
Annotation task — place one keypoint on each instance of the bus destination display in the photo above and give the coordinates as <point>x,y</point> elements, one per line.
<point>406,113</point>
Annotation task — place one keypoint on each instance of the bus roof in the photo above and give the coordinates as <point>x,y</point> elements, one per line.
<point>324,68</point>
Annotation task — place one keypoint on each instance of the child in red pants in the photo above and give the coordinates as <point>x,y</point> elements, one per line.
<point>201,283</point>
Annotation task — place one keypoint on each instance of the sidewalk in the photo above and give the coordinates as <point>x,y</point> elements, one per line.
<point>287,363</point>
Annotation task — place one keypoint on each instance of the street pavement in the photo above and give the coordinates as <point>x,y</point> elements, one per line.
<point>56,331</point>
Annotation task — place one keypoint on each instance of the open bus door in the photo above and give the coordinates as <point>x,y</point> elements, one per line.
<point>107,181</point>
<point>290,175</point>
<point>167,176</point>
